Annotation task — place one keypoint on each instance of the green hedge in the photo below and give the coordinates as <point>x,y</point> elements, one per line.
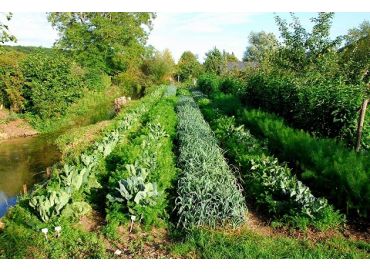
<point>208,83</point>
<point>326,108</point>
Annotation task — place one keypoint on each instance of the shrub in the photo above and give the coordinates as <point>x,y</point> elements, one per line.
<point>11,80</point>
<point>324,107</point>
<point>50,86</point>
<point>208,83</point>
<point>328,167</point>
<point>208,193</point>
<point>232,85</point>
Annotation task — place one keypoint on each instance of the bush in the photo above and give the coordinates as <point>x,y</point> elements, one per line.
<point>326,108</point>
<point>50,86</point>
<point>232,85</point>
<point>208,83</point>
<point>11,80</point>
<point>207,190</point>
<point>328,167</point>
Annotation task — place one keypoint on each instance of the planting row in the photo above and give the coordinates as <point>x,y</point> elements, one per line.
<point>64,191</point>
<point>329,168</point>
<point>144,169</point>
<point>268,184</point>
<point>208,192</point>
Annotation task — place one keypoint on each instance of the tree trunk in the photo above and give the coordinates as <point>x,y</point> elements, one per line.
<point>361,120</point>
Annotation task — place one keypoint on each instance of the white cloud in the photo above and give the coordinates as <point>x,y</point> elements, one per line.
<point>199,32</point>
<point>32,29</point>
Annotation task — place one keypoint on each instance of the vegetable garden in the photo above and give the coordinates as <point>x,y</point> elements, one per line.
<point>254,164</point>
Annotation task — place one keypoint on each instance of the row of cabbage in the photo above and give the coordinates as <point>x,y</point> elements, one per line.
<point>269,185</point>
<point>144,169</point>
<point>207,191</point>
<point>65,190</point>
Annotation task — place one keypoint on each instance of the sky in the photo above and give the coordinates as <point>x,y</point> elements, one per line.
<point>197,32</point>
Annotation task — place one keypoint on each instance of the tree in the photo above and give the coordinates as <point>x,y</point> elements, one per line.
<point>261,45</point>
<point>110,41</point>
<point>356,53</point>
<point>230,57</point>
<point>302,49</point>
<point>158,66</point>
<point>188,66</point>
<point>214,62</point>
<point>4,30</point>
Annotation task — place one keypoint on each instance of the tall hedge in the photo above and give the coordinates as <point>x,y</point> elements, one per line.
<point>326,108</point>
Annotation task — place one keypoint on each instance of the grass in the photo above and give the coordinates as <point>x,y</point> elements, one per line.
<point>94,107</point>
<point>247,244</point>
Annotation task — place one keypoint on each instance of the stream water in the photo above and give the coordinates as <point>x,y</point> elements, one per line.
<point>23,161</point>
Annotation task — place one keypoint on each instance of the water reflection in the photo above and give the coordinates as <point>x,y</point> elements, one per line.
<point>23,161</point>
<point>6,202</point>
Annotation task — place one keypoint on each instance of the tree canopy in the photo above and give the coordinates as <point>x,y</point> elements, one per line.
<point>261,44</point>
<point>5,36</point>
<point>188,66</point>
<point>109,41</point>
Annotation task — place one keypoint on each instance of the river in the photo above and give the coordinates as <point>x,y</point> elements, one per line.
<point>24,161</point>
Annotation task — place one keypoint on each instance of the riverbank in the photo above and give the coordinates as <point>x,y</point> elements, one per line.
<point>13,127</point>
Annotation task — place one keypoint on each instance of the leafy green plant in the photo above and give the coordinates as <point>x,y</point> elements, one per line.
<point>208,83</point>
<point>51,204</point>
<point>208,193</point>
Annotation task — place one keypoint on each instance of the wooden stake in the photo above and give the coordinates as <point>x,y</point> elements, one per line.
<point>361,121</point>
<point>24,189</point>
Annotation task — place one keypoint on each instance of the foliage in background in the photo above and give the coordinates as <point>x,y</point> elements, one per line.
<point>356,53</point>
<point>11,80</point>
<point>50,84</point>
<point>327,108</point>
<point>188,66</point>
<point>5,36</point>
<point>261,46</point>
<point>108,41</point>
<point>158,67</point>
<point>208,83</point>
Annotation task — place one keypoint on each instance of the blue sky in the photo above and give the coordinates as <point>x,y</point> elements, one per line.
<point>197,32</point>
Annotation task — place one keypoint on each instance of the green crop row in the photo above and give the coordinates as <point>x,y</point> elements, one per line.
<point>329,168</point>
<point>268,184</point>
<point>22,237</point>
<point>208,192</point>
<point>144,170</point>
<point>63,191</point>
